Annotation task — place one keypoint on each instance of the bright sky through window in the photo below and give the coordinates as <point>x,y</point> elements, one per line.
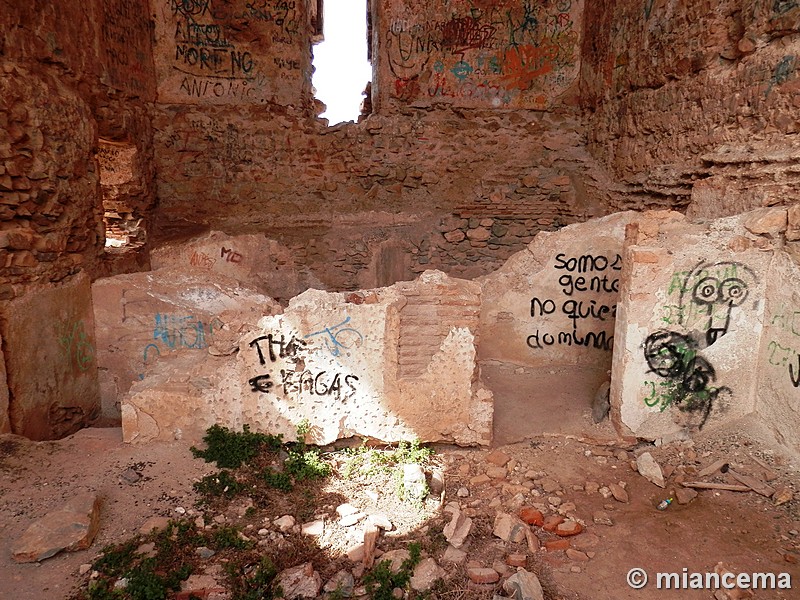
<point>342,69</point>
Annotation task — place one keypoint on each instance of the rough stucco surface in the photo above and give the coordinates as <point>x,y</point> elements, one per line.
<point>50,356</point>
<point>143,317</point>
<point>555,303</point>
<point>691,315</point>
<point>255,261</point>
<point>778,397</point>
<point>336,360</point>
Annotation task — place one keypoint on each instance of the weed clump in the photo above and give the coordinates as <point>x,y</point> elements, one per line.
<point>381,581</point>
<point>229,449</point>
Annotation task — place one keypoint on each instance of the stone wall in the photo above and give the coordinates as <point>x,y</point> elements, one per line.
<point>501,54</point>
<point>704,331</point>
<point>440,176</point>
<point>339,362</point>
<point>70,73</point>
<point>694,104</point>
<point>50,357</point>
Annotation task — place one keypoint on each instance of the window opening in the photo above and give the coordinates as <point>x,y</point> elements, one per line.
<point>120,188</point>
<point>342,69</point>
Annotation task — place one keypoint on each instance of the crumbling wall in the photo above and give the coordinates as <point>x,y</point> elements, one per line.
<point>339,362</point>
<point>68,74</point>
<point>694,104</point>
<point>456,182</point>
<point>698,300</point>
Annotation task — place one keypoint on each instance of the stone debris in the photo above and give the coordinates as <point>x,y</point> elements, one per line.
<point>782,495</point>
<point>601,517</point>
<point>70,528</point>
<point>415,487</point>
<point>568,528</point>
<point>285,523</point>
<point>531,516</point>
<point>523,585</point>
<point>457,530</point>
<point>342,581</point>
<point>650,469</point>
<point>425,574</point>
<point>454,555</point>
<point>315,528</point>
<point>509,528</point>
<point>619,493</point>
<point>498,458</point>
<point>130,476</point>
<point>301,581</point>
<point>685,495</point>
<point>601,403</point>
<point>482,575</point>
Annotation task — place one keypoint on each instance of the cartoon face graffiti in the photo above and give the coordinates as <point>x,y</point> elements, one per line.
<point>709,294</point>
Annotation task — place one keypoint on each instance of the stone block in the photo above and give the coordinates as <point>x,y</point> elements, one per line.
<point>143,317</point>
<point>70,528</point>
<point>49,342</point>
<point>770,221</point>
<point>401,366</point>
<point>685,331</point>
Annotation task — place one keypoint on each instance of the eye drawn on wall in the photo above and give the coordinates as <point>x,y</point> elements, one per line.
<point>709,293</point>
<point>687,375</point>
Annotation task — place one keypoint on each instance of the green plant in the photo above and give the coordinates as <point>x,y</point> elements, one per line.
<point>217,484</point>
<point>230,448</point>
<point>228,537</point>
<point>257,583</point>
<point>115,560</point>
<point>279,481</point>
<point>306,464</point>
<point>381,581</point>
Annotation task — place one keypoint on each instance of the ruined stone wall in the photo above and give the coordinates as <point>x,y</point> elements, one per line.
<point>695,103</point>
<point>454,171</point>
<point>70,73</point>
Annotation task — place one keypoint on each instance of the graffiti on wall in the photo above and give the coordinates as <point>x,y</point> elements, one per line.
<point>75,344</point>
<point>217,50</point>
<point>687,376</point>
<point>703,299</point>
<point>125,32</point>
<point>287,366</point>
<point>784,351</point>
<point>178,332</point>
<point>511,53</point>
<point>700,303</point>
<point>589,285</point>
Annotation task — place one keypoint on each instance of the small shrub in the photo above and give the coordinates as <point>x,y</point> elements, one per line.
<point>228,537</point>
<point>278,481</point>
<point>306,464</point>
<point>381,581</point>
<point>216,485</point>
<point>230,448</point>
<point>117,560</point>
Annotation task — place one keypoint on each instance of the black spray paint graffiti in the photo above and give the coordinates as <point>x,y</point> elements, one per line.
<point>297,380</point>
<point>709,293</point>
<point>582,274</point>
<point>674,357</point>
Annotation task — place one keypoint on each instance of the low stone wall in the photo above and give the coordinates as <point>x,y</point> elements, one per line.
<point>339,361</point>
<point>143,317</point>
